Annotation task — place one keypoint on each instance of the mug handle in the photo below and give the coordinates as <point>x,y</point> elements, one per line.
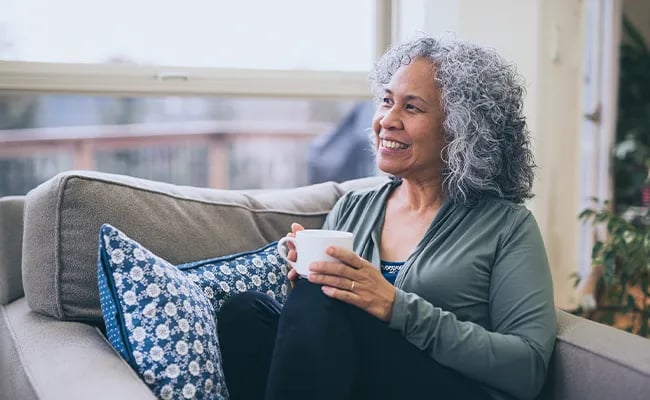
<point>282,249</point>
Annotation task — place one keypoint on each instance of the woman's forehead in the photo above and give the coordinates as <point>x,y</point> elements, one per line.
<point>414,79</point>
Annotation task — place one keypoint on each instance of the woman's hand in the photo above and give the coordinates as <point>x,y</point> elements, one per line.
<point>292,255</point>
<point>355,281</point>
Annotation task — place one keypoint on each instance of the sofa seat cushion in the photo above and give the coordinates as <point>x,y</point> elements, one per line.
<point>44,358</point>
<point>178,223</point>
<point>11,242</point>
<point>159,320</point>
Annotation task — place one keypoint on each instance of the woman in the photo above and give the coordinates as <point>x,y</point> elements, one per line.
<point>461,305</point>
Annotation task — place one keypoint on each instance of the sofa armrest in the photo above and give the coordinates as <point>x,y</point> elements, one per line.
<point>11,244</point>
<point>596,361</point>
<point>46,358</point>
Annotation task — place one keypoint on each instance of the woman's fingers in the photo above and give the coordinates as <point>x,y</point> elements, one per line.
<point>292,255</point>
<point>295,227</point>
<point>333,281</point>
<point>334,268</point>
<point>292,276</point>
<point>290,244</point>
<point>355,281</point>
<point>343,295</point>
<point>347,256</point>
<point>370,291</point>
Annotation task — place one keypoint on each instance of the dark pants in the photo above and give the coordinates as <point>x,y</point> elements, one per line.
<point>319,348</point>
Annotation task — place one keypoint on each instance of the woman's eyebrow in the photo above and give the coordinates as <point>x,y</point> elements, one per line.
<point>415,97</point>
<point>408,97</point>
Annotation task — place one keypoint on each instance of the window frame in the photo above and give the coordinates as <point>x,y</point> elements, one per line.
<point>125,79</point>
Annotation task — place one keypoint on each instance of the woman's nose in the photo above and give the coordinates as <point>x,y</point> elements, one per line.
<point>390,119</point>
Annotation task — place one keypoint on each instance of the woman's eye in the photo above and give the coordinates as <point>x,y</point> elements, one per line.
<point>410,107</point>
<point>385,100</point>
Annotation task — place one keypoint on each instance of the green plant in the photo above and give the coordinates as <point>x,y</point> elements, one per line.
<point>632,144</point>
<point>622,260</point>
<point>625,259</point>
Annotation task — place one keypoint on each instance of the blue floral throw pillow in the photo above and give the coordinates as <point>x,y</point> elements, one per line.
<point>260,270</point>
<point>159,320</point>
<point>123,264</point>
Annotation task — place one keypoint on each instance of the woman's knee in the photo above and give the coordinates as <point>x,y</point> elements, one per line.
<point>305,292</point>
<point>241,302</point>
<point>246,305</point>
<point>308,308</point>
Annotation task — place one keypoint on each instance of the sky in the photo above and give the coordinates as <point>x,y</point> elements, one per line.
<point>277,34</point>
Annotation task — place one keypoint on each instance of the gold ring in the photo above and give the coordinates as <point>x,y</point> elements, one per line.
<point>352,286</point>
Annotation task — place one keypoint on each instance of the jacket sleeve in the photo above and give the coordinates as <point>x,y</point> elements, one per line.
<point>514,354</point>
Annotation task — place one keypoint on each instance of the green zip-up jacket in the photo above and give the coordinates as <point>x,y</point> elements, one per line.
<point>476,293</point>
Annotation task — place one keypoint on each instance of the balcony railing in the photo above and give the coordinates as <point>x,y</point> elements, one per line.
<point>217,154</point>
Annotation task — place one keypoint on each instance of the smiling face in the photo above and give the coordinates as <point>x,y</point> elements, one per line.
<point>408,124</point>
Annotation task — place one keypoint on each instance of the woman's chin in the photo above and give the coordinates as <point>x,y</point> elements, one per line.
<point>389,169</point>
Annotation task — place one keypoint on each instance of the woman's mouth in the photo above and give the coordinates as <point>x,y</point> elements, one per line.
<point>393,145</point>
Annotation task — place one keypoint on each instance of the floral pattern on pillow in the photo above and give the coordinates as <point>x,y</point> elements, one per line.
<point>159,320</point>
<point>261,270</point>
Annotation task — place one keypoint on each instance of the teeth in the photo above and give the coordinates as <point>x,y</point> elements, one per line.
<point>393,145</point>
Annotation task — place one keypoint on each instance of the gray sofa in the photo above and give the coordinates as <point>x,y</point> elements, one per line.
<point>51,341</point>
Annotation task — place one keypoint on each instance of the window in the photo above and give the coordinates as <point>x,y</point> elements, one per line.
<point>199,92</point>
<point>221,142</point>
<point>279,48</point>
<point>333,35</point>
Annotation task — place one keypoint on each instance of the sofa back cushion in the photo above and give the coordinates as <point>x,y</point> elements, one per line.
<point>11,241</point>
<point>179,223</point>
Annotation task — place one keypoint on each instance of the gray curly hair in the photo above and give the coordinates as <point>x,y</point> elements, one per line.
<point>488,151</point>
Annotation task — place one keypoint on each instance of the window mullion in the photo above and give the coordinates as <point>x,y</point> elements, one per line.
<point>150,80</point>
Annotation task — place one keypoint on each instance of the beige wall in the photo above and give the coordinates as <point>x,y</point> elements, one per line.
<point>558,137</point>
<point>512,27</point>
<point>544,38</point>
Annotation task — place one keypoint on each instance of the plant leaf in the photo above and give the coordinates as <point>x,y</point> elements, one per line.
<point>585,214</point>
<point>597,249</point>
<point>634,34</point>
<point>608,263</point>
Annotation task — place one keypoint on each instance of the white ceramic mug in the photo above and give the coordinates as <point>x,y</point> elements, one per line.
<point>311,245</point>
